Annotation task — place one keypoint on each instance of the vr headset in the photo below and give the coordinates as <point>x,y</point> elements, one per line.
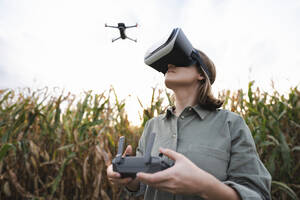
<point>175,49</point>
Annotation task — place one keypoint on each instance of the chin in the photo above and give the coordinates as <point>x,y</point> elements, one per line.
<point>171,84</point>
<point>167,83</point>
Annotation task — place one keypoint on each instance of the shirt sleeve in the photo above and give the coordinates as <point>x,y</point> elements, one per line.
<point>246,173</point>
<point>139,153</point>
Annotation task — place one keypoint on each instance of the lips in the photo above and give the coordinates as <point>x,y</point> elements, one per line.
<point>170,71</point>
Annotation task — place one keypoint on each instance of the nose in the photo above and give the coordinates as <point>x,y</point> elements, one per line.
<point>171,66</point>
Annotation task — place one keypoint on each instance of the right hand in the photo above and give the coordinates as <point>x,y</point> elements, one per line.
<point>115,177</point>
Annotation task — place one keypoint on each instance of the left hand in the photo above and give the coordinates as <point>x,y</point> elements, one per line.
<point>182,178</point>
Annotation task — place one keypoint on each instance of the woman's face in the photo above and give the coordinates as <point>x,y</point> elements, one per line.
<point>182,76</point>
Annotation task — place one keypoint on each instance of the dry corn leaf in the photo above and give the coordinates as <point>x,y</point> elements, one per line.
<point>104,195</point>
<point>34,163</point>
<point>96,184</point>
<point>100,149</point>
<point>17,185</point>
<point>6,189</point>
<point>85,169</point>
<point>45,155</point>
<point>34,149</point>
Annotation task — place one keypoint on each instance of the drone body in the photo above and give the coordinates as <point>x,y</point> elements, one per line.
<point>122,28</point>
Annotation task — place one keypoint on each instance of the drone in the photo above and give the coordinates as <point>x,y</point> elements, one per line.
<point>122,28</point>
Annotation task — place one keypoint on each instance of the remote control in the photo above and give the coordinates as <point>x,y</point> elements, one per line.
<point>130,165</point>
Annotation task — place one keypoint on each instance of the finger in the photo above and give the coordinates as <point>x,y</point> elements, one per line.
<point>170,153</point>
<point>111,173</point>
<point>128,151</point>
<point>167,189</point>
<point>164,186</point>
<point>122,181</point>
<point>115,175</point>
<point>155,178</point>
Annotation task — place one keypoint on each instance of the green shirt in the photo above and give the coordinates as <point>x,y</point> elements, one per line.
<point>218,142</point>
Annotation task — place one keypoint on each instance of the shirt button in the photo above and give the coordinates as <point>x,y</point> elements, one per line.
<point>173,136</point>
<point>182,117</point>
<point>190,109</point>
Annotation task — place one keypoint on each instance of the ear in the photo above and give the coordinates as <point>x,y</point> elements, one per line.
<point>200,77</point>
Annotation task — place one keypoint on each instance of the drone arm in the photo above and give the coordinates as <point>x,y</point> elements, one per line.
<point>115,39</point>
<point>110,26</point>
<point>132,26</point>
<point>131,39</point>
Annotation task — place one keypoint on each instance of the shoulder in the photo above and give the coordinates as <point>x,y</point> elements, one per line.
<point>229,115</point>
<point>237,126</point>
<point>152,123</point>
<point>232,120</point>
<point>155,120</point>
<point>156,123</point>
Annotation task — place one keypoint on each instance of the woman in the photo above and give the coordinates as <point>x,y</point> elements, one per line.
<point>213,150</point>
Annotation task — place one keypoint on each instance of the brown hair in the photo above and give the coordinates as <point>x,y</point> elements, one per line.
<point>205,96</point>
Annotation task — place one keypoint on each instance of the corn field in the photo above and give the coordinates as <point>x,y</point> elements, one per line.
<point>58,147</point>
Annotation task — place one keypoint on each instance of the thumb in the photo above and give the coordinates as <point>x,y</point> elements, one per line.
<point>128,150</point>
<point>171,154</point>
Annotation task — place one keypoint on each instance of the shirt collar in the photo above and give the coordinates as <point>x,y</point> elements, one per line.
<point>169,112</point>
<point>197,108</point>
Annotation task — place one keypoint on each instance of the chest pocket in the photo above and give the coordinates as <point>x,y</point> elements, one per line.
<point>211,160</point>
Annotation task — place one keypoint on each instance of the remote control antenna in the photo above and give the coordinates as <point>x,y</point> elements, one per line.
<point>120,149</point>
<point>149,148</point>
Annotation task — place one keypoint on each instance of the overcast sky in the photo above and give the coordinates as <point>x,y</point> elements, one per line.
<point>63,43</point>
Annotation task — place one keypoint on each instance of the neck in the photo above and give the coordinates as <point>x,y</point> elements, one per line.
<point>184,97</point>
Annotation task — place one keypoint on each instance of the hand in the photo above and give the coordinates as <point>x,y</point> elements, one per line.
<point>115,177</point>
<point>182,178</point>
